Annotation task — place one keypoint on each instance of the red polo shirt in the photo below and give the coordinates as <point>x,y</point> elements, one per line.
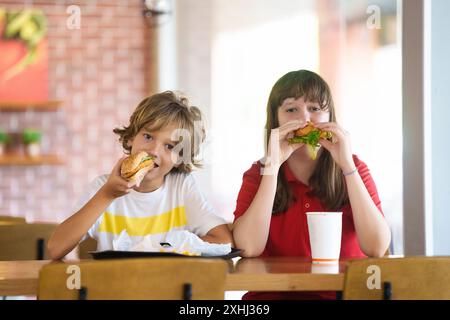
<point>288,234</point>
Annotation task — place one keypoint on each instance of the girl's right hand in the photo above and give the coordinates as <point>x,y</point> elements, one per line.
<point>116,186</point>
<point>279,149</point>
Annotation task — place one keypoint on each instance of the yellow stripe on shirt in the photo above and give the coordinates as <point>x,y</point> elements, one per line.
<point>142,226</point>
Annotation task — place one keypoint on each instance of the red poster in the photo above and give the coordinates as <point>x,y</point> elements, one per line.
<point>24,56</point>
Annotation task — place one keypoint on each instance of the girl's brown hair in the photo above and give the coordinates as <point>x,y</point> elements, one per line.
<point>326,182</point>
<point>162,109</point>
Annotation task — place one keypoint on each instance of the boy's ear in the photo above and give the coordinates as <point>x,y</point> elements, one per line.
<point>130,142</point>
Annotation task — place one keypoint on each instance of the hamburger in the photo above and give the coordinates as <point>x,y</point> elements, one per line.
<point>136,166</point>
<point>310,135</point>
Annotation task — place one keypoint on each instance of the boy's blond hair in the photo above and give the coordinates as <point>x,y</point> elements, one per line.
<point>160,110</point>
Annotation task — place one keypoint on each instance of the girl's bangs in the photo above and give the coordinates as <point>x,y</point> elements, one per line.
<point>312,91</point>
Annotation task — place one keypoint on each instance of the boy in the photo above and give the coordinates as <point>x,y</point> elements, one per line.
<point>166,199</point>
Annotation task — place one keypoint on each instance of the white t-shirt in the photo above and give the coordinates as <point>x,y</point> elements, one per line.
<point>177,205</point>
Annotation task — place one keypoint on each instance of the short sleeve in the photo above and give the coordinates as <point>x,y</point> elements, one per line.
<point>368,181</point>
<point>92,189</point>
<point>200,214</point>
<point>250,184</point>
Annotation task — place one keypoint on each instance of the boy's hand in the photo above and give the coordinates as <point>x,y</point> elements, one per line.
<point>116,186</point>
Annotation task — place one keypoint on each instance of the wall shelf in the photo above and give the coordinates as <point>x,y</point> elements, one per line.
<point>51,105</point>
<point>23,160</point>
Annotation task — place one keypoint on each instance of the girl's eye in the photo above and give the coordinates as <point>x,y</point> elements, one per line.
<point>169,146</point>
<point>147,136</point>
<point>290,110</point>
<point>314,108</point>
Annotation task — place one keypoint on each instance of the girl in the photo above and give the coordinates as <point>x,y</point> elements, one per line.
<point>277,191</point>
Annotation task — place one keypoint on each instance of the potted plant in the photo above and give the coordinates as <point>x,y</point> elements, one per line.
<point>4,139</point>
<point>32,139</point>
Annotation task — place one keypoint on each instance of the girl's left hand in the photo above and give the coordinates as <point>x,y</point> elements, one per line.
<point>339,146</point>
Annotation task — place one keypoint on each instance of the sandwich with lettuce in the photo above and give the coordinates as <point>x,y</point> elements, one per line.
<point>310,136</point>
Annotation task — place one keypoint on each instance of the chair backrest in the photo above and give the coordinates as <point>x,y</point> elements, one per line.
<point>143,278</point>
<point>398,278</point>
<point>25,241</point>
<point>85,246</point>
<point>6,220</point>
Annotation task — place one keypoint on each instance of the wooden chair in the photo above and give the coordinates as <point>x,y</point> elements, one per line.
<point>85,246</point>
<point>399,278</point>
<point>6,220</point>
<point>25,241</point>
<point>142,278</point>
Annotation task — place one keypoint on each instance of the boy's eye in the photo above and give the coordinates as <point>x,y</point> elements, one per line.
<point>169,146</point>
<point>147,136</point>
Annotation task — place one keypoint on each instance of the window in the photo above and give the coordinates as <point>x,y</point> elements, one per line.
<point>247,45</point>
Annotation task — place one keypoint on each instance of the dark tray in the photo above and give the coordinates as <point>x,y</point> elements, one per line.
<point>110,254</point>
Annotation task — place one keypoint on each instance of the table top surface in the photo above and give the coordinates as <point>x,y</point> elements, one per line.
<point>246,274</point>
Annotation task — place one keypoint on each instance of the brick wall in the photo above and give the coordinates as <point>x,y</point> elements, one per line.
<point>99,73</point>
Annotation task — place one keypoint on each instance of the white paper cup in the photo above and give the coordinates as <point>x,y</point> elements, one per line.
<point>325,268</point>
<point>325,231</point>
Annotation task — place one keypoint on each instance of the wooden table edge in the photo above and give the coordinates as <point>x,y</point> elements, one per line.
<point>284,282</point>
<point>22,287</point>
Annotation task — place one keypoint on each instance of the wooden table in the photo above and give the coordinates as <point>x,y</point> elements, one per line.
<point>246,274</point>
<point>284,274</point>
<point>20,278</point>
